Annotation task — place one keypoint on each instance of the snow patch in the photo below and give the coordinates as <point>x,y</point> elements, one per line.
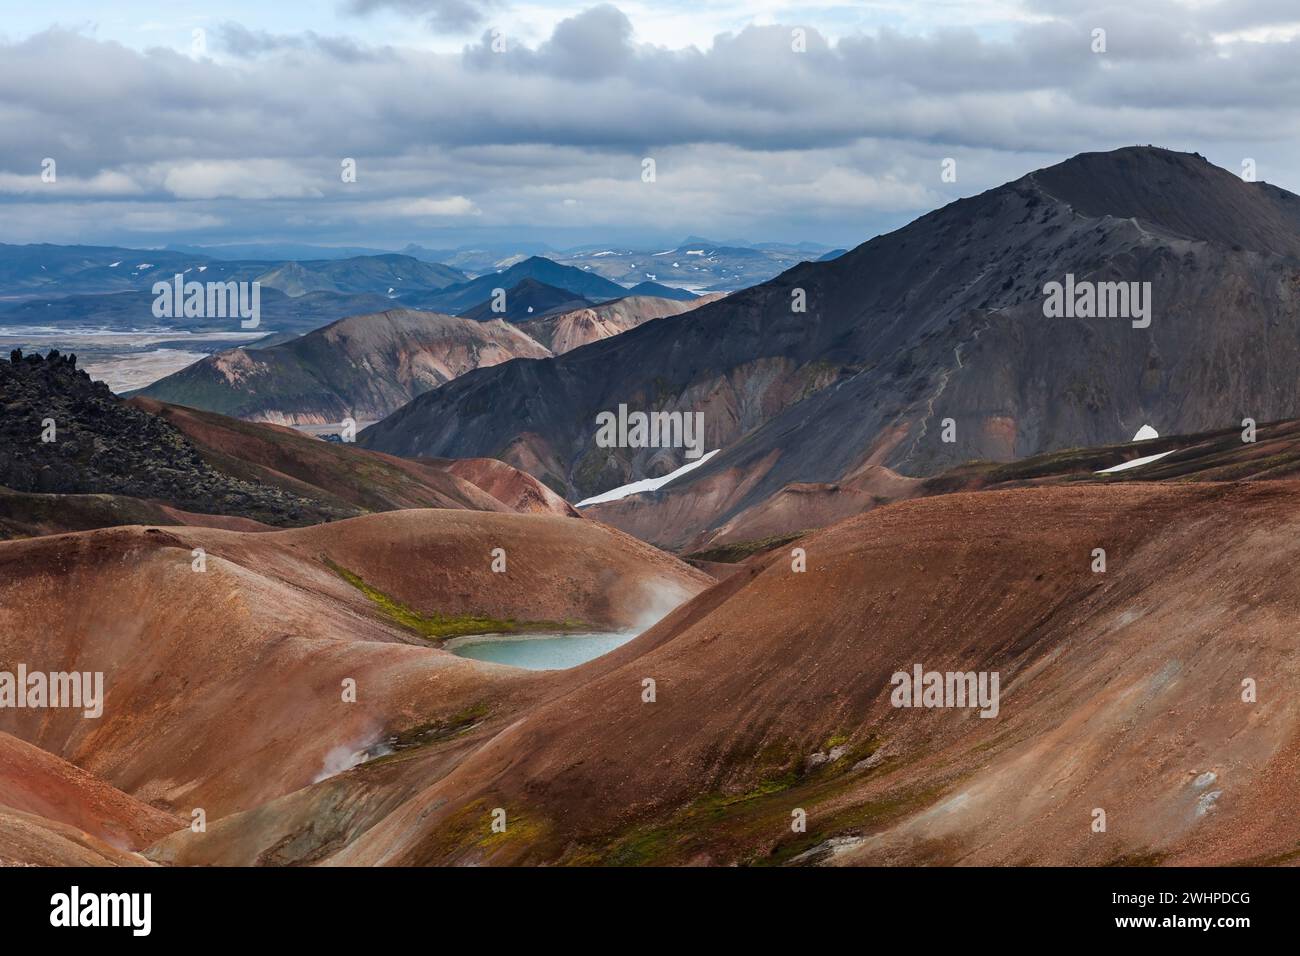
<point>1135,463</point>
<point>1145,433</point>
<point>645,484</point>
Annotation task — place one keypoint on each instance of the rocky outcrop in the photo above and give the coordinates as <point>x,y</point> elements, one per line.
<point>62,432</point>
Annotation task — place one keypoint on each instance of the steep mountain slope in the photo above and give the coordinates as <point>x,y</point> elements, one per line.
<point>943,319</point>
<point>566,331</point>
<point>525,300</point>
<point>517,490</point>
<point>663,520</point>
<point>362,367</point>
<point>366,480</point>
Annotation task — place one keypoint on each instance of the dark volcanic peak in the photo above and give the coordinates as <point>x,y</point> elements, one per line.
<point>466,295</point>
<point>941,319</point>
<point>659,290</point>
<point>527,299</point>
<point>97,444</point>
<point>1182,193</point>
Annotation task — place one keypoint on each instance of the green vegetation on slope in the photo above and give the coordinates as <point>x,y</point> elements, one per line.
<point>442,627</point>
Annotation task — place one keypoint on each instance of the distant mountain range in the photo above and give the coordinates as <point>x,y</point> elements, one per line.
<point>699,265</point>
<point>395,274</point>
<point>134,310</point>
<point>45,273</point>
<point>109,287</point>
<point>661,291</point>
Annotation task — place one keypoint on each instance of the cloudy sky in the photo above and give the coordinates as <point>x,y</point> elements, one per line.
<point>494,120</point>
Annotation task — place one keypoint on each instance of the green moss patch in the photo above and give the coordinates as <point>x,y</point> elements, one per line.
<point>740,550</point>
<point>442,627</point>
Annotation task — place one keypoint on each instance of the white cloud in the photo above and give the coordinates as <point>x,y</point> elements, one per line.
<point>106,183</point>
<point>422,208</point>
<point>238,179</point>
